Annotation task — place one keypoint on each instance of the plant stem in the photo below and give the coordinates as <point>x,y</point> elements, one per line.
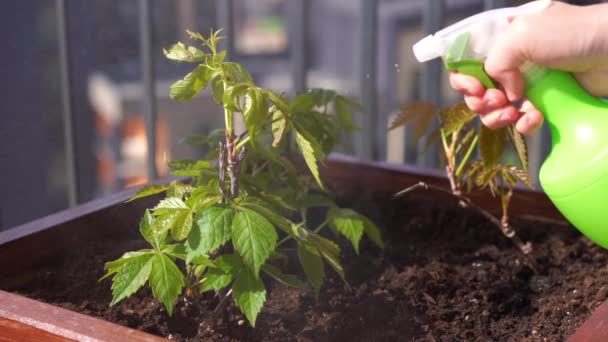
<point>242,143</point>
<point>222,171</point>
<point>467,155</point>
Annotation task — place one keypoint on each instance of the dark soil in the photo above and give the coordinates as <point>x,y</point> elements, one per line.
<point>445,274</point>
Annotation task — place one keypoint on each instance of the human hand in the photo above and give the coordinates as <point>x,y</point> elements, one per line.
<point>564,37</point>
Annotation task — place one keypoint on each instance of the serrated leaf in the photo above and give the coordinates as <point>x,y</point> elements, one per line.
<point>455,117</point>
<point>132,275</point>
<point>312,153</point>
<point>226,267</point>
<point>372,232</point>
<point>217,89</point>
<point>238,72</point>
<point>145,228</point>
<point>329,251</point>
<point>168,204</point>
<point>166,281</point>
<point>254,237</point>
<point>112,267</point>
<point>174,215</point>
<point>312,264</point>
<point>287,279</point>
<point>249,294</point>
<point>485,175</point>
<point>212,230</point>
<point>348,223</point>
<point>149,190</point>
<point>233,94</point>
<point>187,88</point>
<point>322,97</point>
<point>309,200</point>
<point>279,127</point>
<point>254,111</point>
<point>343,114</point>
<point>268,213</point>
<point>182,226</point>
<point>301,103</point>
<point>178,189</point>
<point>419,115</point>
<point>491,144</point>
<point>520,175</point>
<point>177,250</point>
<point>520,146</point>
<point>184,53</point>
<point>189,168</point>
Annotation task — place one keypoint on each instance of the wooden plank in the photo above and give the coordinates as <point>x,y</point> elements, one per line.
<point>595,328</point>
<point>53,320</point>
<point>11,331</point>
<point>344,171</point>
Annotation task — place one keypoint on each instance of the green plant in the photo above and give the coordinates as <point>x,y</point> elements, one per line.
<point>251,197</point>
<point>461,138</point>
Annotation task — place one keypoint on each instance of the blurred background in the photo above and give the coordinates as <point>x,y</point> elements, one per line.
<point>80,78</point>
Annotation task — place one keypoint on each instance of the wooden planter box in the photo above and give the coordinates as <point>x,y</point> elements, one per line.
<point>33,244</point>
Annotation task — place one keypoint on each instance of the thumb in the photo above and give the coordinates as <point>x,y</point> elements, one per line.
<point>504,60</point>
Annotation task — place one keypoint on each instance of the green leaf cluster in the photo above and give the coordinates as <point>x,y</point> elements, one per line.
<point>222,229</point>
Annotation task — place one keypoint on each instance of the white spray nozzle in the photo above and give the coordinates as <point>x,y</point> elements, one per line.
<point>484,28</point>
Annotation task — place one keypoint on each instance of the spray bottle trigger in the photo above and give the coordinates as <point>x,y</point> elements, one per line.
<point>472,68</point>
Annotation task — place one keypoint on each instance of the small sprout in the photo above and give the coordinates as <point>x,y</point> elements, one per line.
<point>460,137</point>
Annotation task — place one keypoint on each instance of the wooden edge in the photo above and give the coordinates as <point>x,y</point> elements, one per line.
<point>380,176</point>
<point>61,322</point>
<point>16,331</point>
<point>74,213</point>
<point>595,328</point>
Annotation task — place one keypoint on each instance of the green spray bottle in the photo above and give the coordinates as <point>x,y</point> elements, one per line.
<point>575,174</point>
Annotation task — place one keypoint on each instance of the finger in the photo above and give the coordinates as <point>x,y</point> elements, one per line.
<point>501,117</point>
<point>465,84</point>
<point>492,99</point>
<point>531,119</point>
<point>505,58</point>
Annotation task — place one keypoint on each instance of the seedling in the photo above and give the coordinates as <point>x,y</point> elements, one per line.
<point>221,231</point>
<point>461,137</point>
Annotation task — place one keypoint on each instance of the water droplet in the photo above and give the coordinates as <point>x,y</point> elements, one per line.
<point>367,76</point>
<point>397,67</point>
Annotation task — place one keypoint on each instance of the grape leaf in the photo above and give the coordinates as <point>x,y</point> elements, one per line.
<point>149,190</point>
<point>254,238</point>
<point>455,117</point>
<point>372,232</point>
<point>255,110</point>
<point>166,281</point>
<point>189,168</point>
<point>279,127</point>
<point>312,263</point>
<point>491,144</point>
<point>145,228</point>
<point>348,223</point>
<point>249,294</point>
<point>191,85</point>
<point>132,275</point>
<point>226,267</point>
<point>520,146</point>
<point>184,53</point>
<point>112,267</point>
<point>212,230</point>
<point>419,114</point>
<point>174,215</point>
<point>312,153</point>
